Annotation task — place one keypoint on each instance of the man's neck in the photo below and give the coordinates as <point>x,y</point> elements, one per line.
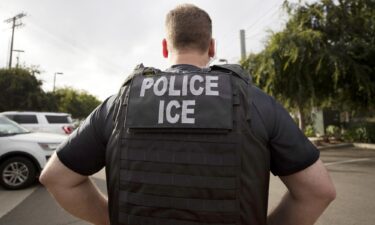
<point>189,58</point>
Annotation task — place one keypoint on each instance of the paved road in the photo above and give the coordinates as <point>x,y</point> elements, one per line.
<point>353,171</point>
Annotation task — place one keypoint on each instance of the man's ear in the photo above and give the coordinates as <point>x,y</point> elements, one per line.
<point>165,48</point>
<point>211,49</point>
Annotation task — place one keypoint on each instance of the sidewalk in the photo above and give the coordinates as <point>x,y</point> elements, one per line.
<point>321,145</point>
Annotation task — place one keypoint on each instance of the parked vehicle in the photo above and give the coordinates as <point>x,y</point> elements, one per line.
<point>23,154</point>
<point>49,122</point>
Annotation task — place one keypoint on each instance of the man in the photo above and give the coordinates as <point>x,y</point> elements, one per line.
<point>192,145</point>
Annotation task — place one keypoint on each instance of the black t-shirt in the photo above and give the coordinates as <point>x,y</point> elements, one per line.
<point>290,151</point>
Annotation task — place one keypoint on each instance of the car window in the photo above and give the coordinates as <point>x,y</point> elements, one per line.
<point>58,119</point>
<point>10,116</point>
<point>9,127</point>
<point>29,119</point>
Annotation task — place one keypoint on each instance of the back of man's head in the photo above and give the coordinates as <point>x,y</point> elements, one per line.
<point>188,28</point>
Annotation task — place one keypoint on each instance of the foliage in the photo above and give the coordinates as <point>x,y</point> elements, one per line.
<point>323,57</point>
<point>348,28</point>
<point>20,90</point>
<point>78,103</point>
<point>309,131</point>
<point>333,131</point>
<point>364,132</point>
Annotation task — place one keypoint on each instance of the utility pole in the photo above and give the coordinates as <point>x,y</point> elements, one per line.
<point>18,56</point>
<point>54,80</point>
<point>223,61</point>
<point>243,44</point>
<point>14,20</point>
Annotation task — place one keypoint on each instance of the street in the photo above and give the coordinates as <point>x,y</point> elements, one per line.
<point>352,169</point>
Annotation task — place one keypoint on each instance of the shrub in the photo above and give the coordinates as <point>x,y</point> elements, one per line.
<point>364,132</point>
<point>333,131</point>
<point>310,131</point>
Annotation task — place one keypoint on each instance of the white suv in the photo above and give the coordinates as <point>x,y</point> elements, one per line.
<point>23,153</point>
<point>49,122</point>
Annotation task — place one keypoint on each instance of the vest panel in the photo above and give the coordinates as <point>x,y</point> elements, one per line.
<point>206,169</point>
<point>189,179</point>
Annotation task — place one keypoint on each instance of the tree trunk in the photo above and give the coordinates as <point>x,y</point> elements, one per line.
<point>301,118</point>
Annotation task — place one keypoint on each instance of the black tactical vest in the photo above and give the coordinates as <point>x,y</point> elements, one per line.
<point>183,152</point>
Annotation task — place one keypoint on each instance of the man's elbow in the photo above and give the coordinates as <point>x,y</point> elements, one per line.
<point>52,175</point>
<point>50,178</point>
<point>46,178</point>
<point>330,193</point>
<point>56,177</point>
<point>326,194</point>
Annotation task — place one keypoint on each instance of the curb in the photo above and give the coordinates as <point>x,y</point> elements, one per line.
<point>364,145</point>
<point>343,145</point>
<point>346,145</point>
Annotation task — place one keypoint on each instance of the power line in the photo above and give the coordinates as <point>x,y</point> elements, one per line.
<point>273,9</point>
<point>66,41</point>
<point>269,23</point>
<point>14,21</point>
<point>243,16</point>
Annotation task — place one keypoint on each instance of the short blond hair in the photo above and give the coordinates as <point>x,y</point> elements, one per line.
<point>189,28</point>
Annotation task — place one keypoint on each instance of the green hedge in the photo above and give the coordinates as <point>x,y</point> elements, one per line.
<point>363,132</point>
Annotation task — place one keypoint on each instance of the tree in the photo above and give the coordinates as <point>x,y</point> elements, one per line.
<point>288,68</point>
<point>78,103</point>
<point>349,27</point>
<point>323,56</point>
<point>20,90</point>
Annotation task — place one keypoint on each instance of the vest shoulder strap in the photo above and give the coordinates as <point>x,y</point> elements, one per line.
<point>123,93</point>
<point>238,71</point>
<point>234,69</point>
<point>140,69</point>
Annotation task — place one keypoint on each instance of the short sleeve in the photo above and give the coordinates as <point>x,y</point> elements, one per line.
<point>84,150</point>
<point>291,150</point>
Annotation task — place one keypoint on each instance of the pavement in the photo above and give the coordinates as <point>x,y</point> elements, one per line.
<point>35,206</point>
<point>352,170</point>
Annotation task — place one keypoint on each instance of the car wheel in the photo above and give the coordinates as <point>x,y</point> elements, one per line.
<point>17,173</point>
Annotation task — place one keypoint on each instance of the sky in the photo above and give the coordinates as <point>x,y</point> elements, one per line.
<point>97,43</point>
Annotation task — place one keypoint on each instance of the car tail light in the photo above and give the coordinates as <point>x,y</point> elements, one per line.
<point>67,129</point>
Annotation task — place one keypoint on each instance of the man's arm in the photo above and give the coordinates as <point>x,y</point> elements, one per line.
<point>74,192</point>
<point>309,193</point>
